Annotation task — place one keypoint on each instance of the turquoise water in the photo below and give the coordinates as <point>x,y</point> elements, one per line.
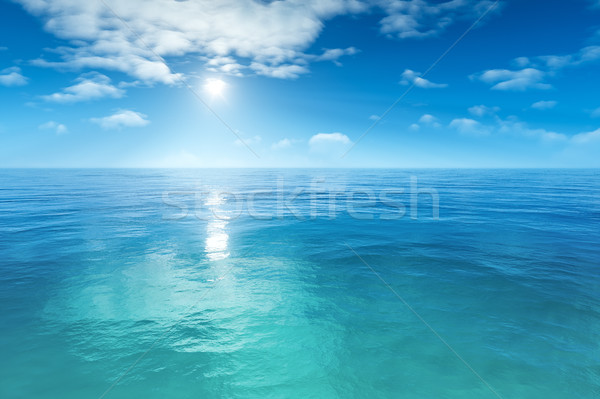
<point>244,284</point>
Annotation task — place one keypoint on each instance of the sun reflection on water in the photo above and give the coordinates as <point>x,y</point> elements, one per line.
<point>217,239</point>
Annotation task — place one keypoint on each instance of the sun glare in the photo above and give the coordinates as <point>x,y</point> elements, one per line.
<point>215,87</point>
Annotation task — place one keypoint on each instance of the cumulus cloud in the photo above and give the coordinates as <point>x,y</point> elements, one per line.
<point>121,119</point>
<point>482,110</point>
<point>543,105</point>
<point>12,77</point>
<point>410,77</point>
<point>426,120</point>
<point>420,18</point>
<point>269,38</point>
<point>329,143</point>
<point>430,120</point>
<point>58,128</point>
<point>94,87</point>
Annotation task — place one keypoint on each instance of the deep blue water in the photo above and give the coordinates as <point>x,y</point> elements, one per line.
<point>248,284</point>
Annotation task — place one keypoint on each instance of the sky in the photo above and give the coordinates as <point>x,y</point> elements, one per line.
<point>300,83</point>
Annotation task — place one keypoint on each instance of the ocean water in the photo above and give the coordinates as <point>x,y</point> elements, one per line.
<point>300,284</point>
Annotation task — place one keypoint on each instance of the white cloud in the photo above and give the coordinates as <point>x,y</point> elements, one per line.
<point>264,37</point>
<point>469,127</point>
<point>426,120</point>
<point>517,128</point>
<point>335,54</point>
<point>268,37</point>
<point>123,118</point>
<point>3,48</point>
<point>279,71</point>
<point>330,143</point>
<point>87,88</point>
<point>411,77</point>
<point>282,144</point>
<point>58,128</point>
<point>12,77</point>
<point>543,105</point>
<point>596,113</point>
<point>504,79</point>
<point>420,18</point>
<point>556,62</point>
<point>512,127</point>
<point>584,138</point>
<point>374,117</point>
<point>482,110</point>
<point>226,65</point>
<point>534,71</point>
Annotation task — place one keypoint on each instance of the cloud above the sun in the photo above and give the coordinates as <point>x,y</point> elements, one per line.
<point>237,37</point>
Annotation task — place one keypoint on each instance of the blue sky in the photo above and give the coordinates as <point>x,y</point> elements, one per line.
<point>302,81</point>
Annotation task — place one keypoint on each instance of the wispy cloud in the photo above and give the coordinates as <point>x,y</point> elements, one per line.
<point>249,141</point>
<point>534,72</point>
<point>335,54</point>
<point>279,71</point>
<point>121,119</point>
<point>469,127</point>
<point>283,144</point>
<point>94,87</point>
<point>511,126</point>
<point>58,128</point>
<point>595,113</point>
<point>584,138</point>
<point>544,105</point>
<point>12,77</point>
<point>505,79</point>
<point>483,110</point>
<point>411,77</point>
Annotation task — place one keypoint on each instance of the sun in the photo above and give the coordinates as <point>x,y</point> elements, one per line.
<point>215,87</point>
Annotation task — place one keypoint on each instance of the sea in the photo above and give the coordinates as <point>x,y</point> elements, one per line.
<point>299,283</point>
